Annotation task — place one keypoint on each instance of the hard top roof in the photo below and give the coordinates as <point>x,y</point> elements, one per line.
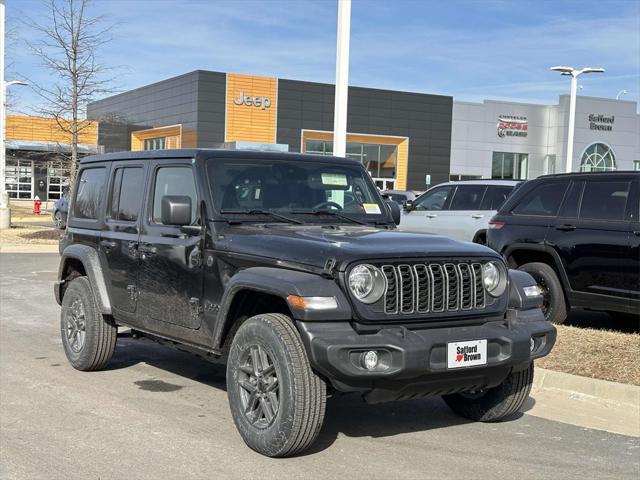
<point>212,153</point>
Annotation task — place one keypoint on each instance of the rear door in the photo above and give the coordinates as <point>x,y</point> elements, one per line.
<point>465,217</point>
<point>593,239</point>
<point>119,239</point>
<point>171,276</point>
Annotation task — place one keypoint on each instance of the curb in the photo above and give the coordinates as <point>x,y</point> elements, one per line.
<point>619,393</point>
<point>28,248</point>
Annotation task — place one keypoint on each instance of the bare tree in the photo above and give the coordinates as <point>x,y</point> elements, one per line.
<point>67,47</point>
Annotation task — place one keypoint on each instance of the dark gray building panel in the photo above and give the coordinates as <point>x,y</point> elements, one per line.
<point>425,119</point>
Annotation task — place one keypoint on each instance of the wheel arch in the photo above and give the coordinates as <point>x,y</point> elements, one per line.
<point>82,260</point>
<point>519,254</point>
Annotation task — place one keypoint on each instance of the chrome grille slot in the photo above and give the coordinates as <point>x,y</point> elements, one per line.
<point>433,288</point>
<point>392,294</point>
<point>479,289</point>
<point>453,286</point>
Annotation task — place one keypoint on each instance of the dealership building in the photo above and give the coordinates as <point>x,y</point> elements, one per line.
<point>406,140</point>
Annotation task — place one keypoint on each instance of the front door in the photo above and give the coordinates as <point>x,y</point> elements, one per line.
<point>170,279</point>
<point>429,212</point>
<point>119,239</point>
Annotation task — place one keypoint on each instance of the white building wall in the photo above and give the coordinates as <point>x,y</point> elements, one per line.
<point>474,135</point>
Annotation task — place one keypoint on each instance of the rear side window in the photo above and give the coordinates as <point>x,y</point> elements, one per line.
<point>495,197</point>
<point>605,200</point>
<point>174,181</point>
<point>126,196</point>
<point>89,192</point>
<point>571,201</point>
<point>544,200</point>
<point>467,197</point>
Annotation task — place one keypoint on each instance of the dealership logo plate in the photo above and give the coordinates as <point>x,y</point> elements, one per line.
<point>466,354</point>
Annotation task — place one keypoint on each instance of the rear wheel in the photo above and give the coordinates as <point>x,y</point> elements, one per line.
<point>59,220</point>
<point>554,305</point>
<point>494,404</point>
<point>276,400</point>
<point>88,337</point>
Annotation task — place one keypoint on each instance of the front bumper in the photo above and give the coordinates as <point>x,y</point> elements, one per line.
<point>414,362</point>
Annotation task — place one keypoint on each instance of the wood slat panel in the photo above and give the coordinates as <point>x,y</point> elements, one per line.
<point>40,129</point>
<point>247,122</point>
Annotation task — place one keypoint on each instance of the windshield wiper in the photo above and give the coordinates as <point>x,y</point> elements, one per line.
<point>334,213</point>
<point>258,211</point>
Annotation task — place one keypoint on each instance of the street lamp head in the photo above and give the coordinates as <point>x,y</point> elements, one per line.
<point>15,82</point>
<point>592,70</point>
<point>563,70</point>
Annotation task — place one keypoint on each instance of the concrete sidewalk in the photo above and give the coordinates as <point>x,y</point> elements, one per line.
<point>585,402</point>
<point>28,248</point>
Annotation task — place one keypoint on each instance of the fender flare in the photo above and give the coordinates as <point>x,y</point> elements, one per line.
<point>282,283</point>
<point>89,258</point>
<point>559,267</point>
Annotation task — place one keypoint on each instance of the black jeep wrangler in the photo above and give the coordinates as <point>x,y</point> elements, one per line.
<point>289,269</point>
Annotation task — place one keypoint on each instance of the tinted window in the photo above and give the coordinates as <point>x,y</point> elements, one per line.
<point>543,200</point>
<point>89,193</point>
<point>495,197</point>
<point>467,197</point>
<point>604,200</point>
<point>433,200</point>
<point>571,201</point>
<point>174,181</point>
<point>126,196</point>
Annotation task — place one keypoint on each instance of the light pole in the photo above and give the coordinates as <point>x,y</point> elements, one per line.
<point>574,73</point>
<point>342,79</point>
<point>620,93</point>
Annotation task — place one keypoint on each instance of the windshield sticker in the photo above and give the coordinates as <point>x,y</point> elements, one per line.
<point>371,208</point>
<point>335,179</point>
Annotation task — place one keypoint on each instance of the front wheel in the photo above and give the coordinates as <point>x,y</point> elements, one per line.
<point>59,220</point>
<point>496,403</point>
<point>276,400</point>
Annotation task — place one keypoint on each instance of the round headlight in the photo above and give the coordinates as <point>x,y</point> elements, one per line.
<point>367,283</point>
<point>494,278</point>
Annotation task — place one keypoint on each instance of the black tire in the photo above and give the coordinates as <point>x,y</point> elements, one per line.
<point>555,304</point>
<point>496,403</point>
<point>300,395</point>
<point>88,337</point>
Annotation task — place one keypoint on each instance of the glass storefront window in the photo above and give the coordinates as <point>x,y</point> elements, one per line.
<point>57,179</point>
<point>159,143</point>
<point>550,164</point>
<point>598,157</point>
<point>510,166</point>
<point>636,165</point>
<point>18,178</point>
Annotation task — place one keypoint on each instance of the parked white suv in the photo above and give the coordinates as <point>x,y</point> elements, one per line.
<point>460,210</point>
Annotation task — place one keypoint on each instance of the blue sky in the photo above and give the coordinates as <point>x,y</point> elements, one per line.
<point>471,50</point>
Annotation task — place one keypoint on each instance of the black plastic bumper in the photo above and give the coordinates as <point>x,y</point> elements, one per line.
<point>414,362</point>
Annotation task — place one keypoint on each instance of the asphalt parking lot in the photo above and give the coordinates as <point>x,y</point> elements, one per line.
<point>159,413</point>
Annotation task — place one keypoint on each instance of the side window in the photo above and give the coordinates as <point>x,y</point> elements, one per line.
<point>467,197</point>
<point>571,201</point>
<point>126,194</point>
<point>544,200</point>
<point>174,181</point>
<point>605,200</point>
<point>89,192</point>
<point>433,200</point>
<point>495,197</point>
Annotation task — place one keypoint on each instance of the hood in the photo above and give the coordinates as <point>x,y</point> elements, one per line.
<point>314,244</point>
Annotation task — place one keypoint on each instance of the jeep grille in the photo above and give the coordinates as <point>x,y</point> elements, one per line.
<point>433,287</point>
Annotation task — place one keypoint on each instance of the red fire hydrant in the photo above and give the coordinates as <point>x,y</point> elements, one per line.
<point>36,205</point>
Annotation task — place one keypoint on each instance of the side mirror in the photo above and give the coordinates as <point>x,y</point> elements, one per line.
<point>394,209</point>
<point>408,205</point>
<point>175,210</point>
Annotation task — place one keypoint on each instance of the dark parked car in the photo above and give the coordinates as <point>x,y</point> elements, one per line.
<point>290,270</point>
<point>401,197</point>
<point>60,210</point>
<point>578,235</point>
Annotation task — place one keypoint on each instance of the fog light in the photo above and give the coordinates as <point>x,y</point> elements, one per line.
<point>532,345</point>
<point>532,291</point>
<point>370,360</point>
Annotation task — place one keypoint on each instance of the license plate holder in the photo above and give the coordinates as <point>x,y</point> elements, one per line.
<point>469,353</point>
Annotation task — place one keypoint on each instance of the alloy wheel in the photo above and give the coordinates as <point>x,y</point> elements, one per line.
<point>259,387</point>
<point>76,326</point>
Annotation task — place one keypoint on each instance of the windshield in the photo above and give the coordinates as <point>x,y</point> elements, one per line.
<point>292,188</point>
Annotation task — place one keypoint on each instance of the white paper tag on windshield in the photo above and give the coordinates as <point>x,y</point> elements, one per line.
<point>371,208</point>
<point>335,179</point>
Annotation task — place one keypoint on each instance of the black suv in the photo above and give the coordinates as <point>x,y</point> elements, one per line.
<point>290,270</point>
<point>578,235</point>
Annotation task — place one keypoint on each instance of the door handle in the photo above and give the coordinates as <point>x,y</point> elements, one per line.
<point>566,227</point>
<point>108,244</point>
<point>477,215</point>
<point>431,215</point>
